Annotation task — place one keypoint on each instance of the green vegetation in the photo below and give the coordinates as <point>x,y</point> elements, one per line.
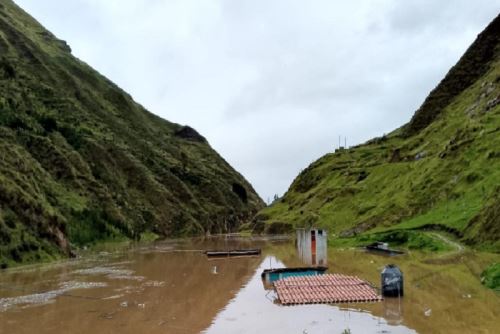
<point>81,162</point>
<point>148,237</point>
<point>474,64</point>
<point>439,172</point>
<point>491,277</point>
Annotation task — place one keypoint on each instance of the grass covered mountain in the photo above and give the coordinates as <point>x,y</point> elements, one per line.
<point>440,171</point>
<point>80,161</point>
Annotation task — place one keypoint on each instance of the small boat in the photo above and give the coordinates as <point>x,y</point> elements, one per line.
<point>271,275</point>
<point>383,247</point>
<point>233,253</point>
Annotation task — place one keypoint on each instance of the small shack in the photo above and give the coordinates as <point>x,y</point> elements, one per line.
<point>312,246</point>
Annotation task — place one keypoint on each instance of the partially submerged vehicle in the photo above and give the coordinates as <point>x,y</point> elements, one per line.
<point>383,247</point>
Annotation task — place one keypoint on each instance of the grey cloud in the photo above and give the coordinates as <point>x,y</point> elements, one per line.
<point>272,84</point>
<point>437,17</point>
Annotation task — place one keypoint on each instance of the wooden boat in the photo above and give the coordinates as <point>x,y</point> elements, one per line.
<point>233,253</point>
<point>382,247</point>
<point>271,275</point>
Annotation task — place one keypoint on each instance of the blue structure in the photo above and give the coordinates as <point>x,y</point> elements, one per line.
<point>272,275</point>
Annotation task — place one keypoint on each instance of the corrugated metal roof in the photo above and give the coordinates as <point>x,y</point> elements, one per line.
<point>325,289</point>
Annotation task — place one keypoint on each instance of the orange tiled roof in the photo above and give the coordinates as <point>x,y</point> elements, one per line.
<point>325,289</point>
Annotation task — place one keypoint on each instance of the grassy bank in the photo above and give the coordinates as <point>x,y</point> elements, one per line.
<point>39,254</point>
<point>491,277</point>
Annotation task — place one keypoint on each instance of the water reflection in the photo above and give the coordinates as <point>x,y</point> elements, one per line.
<point>312,246</point>
<point>172,287</point>
<point>180,290</point>
<point>393,310</point>
<point>253,311</point>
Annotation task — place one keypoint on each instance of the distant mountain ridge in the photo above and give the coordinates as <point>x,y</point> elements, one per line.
<point>440,171</point>
<point>471,67</point>
<point>80,161</point>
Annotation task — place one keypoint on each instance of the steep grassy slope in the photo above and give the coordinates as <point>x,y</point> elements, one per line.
<point>440,171</point>
<point>80,161</point>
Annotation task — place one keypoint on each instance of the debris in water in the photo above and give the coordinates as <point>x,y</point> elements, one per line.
<point>428,312</point>
<point>155,284</point>
<point>130,289</point>
<point>129,277</point>
<point>121,263</point>
<point>104,271</point>
<point>111,272</point>
<point>113,297</point>
<point>107,316</point>
<point>49,296</point>
<point>72,285</point>
<point>233,253</point>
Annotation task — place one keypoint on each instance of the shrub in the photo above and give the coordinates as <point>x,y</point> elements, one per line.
<point>491,276</point>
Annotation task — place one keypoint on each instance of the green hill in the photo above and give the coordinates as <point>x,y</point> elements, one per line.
<point>440,171</point>
<point>80,161</point>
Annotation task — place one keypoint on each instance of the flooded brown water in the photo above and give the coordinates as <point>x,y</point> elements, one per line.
<point>172,287</point>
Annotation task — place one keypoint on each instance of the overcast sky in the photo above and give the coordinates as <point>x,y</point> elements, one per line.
<point>272,84</point>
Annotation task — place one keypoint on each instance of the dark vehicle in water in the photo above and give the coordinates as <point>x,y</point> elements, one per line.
<point>382,247</point>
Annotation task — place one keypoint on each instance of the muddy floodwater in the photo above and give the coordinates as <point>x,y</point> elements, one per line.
<point>172,287</point>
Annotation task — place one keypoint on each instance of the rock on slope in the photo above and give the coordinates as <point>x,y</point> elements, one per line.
<point>441,170</point>
<point>80,161</point>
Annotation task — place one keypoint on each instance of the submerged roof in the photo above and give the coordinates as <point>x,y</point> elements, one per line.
<point>325,289</point>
